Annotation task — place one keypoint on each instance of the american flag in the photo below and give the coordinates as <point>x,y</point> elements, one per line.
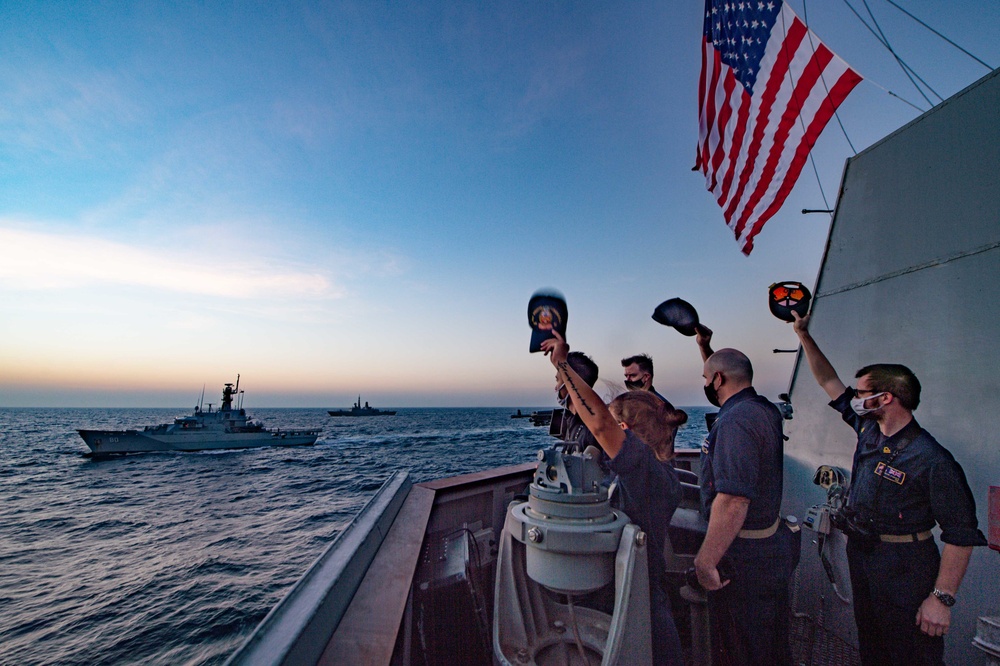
<point>768,88</point>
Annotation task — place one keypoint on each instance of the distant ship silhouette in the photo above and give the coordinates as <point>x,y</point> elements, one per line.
<point>358,410</point>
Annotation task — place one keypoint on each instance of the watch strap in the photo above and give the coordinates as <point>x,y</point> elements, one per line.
<point>945,598</point>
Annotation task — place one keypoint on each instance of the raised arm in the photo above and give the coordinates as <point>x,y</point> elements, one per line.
<point>820,365</point>
<point>589,406</point>
<point>703,336</point>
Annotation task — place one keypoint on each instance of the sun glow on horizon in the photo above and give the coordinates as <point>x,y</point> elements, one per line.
<point>341,198</point>
<point>31,260</point>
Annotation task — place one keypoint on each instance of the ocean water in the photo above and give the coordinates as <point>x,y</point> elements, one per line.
<point>173,558</point>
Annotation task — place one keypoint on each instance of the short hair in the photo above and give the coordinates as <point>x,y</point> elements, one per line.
<point>732,363</point>
<point>644,362</point>
<point>893,378</point>
<point>651,419</point>
<point>584,366</point>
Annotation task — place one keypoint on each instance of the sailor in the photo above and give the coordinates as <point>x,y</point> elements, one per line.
<point>902,483</point>
<point>573,431</point>
<point>639,375</point>
<point>748,554</point>
<point>637,434</point>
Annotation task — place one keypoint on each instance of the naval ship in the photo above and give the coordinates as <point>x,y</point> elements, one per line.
<point>225,428</point>
<point>460,570</point>
<point>357,410</point>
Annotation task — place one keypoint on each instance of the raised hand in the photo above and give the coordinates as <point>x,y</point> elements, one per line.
<point>555,348</point>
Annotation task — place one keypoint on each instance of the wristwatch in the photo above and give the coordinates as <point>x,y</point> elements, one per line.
<point>944,598</point>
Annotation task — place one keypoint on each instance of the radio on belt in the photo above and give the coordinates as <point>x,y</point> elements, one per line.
<point>818,519</point>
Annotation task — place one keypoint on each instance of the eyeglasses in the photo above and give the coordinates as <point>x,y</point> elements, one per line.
<point>860,391</point>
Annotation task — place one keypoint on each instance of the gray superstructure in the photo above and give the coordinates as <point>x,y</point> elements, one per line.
<point>225,428</point>
<point>910,276</point>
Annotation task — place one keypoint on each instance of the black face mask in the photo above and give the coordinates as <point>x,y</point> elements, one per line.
<point>634,386</point>
<point>711,393</point>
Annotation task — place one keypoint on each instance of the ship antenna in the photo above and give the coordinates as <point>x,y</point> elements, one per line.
<point>201,400</point>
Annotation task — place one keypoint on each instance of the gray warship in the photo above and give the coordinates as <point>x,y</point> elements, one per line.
<point>450,571</point>
<point>224,428</point>
<point>357,410</point>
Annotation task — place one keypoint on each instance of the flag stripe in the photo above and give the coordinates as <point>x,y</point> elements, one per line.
<point>845,84</point>
<point>761,129</point>
<point>710,110</point>
<point>728,84</point>
<point>782,133</point>
<point>737,132</point>
<point>797,145</point>
<point>763,103</point>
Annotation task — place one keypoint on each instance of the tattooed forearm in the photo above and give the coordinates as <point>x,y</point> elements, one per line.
<point>570,380</point>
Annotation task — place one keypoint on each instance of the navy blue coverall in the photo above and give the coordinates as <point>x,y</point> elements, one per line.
<point>743,456</point>
<point>900,485</point>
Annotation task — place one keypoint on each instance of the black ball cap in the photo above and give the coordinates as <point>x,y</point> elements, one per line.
<point>677,313</point>
<point>546,313</point>
<point>784,298</point>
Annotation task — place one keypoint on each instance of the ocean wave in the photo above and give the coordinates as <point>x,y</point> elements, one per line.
<point>172,558</point>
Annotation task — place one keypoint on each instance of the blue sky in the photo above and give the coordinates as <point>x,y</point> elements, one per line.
<point>345,198</point>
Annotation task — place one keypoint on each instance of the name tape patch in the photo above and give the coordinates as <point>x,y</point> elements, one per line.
<point>890,473</point>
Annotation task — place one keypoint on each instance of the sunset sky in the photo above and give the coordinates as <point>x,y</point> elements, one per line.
<point>361,197</point>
